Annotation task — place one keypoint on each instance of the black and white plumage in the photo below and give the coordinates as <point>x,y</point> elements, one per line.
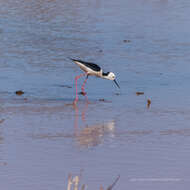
<point>91,69</point>
<point>94,69</point>
<point>87,66</point>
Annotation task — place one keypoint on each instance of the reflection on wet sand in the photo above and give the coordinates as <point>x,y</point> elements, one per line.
<point>93,135</point>
<point>90,135</point>
<point>86,135</point>
<point>84,132</point>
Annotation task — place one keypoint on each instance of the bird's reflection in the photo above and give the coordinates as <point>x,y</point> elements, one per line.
<point>91,135</point>
<point>85,135</point>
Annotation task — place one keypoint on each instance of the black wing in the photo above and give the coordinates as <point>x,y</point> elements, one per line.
<point>93,66</point>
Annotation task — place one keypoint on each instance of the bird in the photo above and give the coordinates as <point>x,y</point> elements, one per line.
<point>91,69</point>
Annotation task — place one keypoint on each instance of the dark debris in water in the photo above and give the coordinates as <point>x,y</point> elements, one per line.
<point>139,93</point>
<point>126,41</point>
<point>2,120</point>
<point>65,86</point>
<point>19,92</point>
<point>82,93</point>
<point>3,163</point>
<point>104,100</point>
<point>148,103</point>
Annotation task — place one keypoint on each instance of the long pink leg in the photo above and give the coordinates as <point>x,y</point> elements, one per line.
<point>76,78</point>
<point>82,88</point>
<point>83,92</point>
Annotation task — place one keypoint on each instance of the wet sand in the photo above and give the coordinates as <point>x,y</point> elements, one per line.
<point>43,137</point>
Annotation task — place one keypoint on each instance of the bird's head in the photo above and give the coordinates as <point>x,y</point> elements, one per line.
<point>110,76</point>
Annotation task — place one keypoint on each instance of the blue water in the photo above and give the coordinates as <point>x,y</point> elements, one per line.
<point>43,137</point>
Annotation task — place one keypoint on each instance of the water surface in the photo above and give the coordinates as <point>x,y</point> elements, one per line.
<point>43,137</point>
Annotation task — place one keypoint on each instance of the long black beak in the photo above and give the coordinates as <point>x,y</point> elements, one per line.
<point>116,83</point>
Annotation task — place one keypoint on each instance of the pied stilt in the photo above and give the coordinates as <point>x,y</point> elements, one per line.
<point>94,70</point>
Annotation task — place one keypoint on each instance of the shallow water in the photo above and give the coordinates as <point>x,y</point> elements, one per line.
<point>43,137</point>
